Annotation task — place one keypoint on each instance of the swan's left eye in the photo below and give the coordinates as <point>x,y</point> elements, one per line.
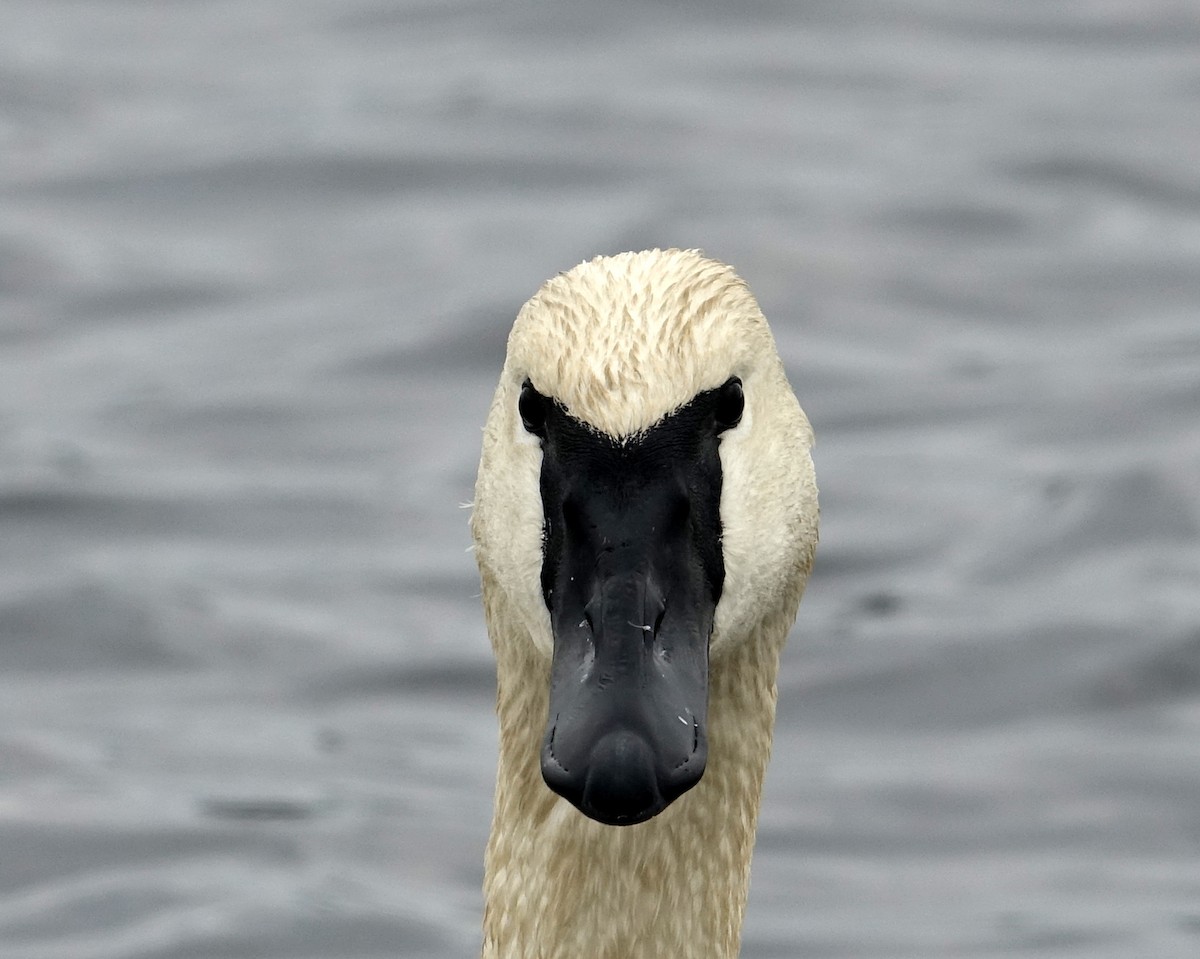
<point>532,407</point>
<point>731,401</point>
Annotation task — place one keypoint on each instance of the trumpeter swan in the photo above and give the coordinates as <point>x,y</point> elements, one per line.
<point>645,520</point>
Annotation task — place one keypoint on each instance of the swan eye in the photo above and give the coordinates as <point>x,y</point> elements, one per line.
<point>532,407</point>
<point>730,403</point>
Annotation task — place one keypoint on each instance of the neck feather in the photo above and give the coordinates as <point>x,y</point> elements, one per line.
<point>560,886</point>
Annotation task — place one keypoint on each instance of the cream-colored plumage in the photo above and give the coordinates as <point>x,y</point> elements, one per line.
<point>622,342</point>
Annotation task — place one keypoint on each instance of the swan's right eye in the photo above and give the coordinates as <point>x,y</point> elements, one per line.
<point>532,407</point>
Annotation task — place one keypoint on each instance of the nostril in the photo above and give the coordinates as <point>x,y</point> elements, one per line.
<point>654,604</point>
<point>658,620</point>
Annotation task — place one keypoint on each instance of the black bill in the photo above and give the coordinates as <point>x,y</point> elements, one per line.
<point>632,573</point>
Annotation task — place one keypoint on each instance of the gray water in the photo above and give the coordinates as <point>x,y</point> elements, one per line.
<point>257,263</point>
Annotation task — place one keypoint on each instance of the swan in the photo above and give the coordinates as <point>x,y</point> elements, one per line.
<point>645,520</point>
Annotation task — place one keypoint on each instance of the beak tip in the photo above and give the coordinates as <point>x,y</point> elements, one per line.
<point>622,782</point>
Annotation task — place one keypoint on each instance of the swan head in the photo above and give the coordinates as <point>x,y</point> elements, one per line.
<point>645,506</point>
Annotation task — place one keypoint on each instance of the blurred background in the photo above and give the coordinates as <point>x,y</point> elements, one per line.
<point>258,260</point>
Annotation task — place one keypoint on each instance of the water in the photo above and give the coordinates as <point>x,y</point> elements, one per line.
<point>257,264</point>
